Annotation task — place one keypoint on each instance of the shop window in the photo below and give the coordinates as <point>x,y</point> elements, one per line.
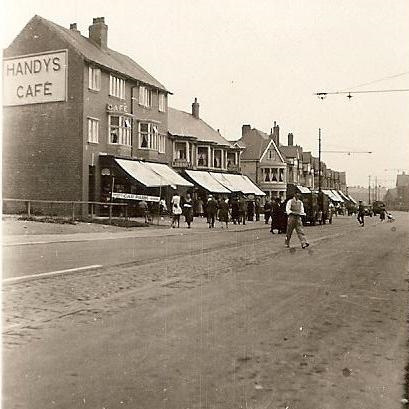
<point>120,130</point>
<point>93,130</point>
<point>116,87</point>
<point>94,78</point>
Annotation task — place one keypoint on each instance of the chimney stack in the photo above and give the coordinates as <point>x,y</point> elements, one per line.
<point>73,27</point>
<point>276,134</point>
<point>290,139</point>
<point>98,32</point>
<point>195,109</point>
<point>245,129</point>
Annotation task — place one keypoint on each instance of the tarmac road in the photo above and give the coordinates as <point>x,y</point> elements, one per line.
<point>250,326</point>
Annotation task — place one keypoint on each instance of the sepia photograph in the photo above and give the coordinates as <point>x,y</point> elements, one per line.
<point>205,204</point>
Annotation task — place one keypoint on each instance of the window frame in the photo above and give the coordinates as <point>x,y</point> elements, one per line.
<point>162,102</point>
<point>145,96</point>
<point>116,87</point>
<point>93,128</point>
<point>94,78</point>
<point>124,131</point>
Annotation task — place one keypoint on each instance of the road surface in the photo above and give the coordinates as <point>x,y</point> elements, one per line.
<point>250,325</point>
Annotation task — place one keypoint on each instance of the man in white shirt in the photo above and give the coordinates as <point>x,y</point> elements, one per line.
<point>295,209</point>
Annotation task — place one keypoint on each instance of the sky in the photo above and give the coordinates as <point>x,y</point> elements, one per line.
<point>260,61</point>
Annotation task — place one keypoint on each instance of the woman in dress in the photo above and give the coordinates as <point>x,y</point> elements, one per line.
<point>188,210</point>
<point>176,210</point>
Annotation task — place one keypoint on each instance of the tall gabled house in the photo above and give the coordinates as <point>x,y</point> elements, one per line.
<point>262,161</point>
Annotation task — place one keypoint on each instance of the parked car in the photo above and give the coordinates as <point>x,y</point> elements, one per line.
<point>377,207</point>
<point>368,211</point>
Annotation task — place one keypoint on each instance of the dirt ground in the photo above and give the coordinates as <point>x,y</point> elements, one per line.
<point>249,327</point>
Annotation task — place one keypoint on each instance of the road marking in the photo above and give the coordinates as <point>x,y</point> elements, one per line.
<point>51,273</point>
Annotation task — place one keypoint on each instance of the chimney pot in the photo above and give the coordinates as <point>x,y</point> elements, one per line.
<point>290,139</point>
<point>73,26</point>
<point>98,32</point>
<point>195,109</point>
<point>245,129</point>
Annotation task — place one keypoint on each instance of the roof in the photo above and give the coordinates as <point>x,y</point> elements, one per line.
<point>104,57</point>
<point>255,143</point>
<point>181,123</point>
<point>292,151</point>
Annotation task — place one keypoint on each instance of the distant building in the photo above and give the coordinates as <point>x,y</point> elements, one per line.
<point>262,161</point>
<point>398,198</point>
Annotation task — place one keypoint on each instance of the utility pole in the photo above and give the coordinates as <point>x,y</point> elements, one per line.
<point>369,190</point>
<point>319,159</point>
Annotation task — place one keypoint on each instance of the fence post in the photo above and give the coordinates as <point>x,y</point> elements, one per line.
<point>110,213</point>
<point>73,211</point>
<point>28,208</point>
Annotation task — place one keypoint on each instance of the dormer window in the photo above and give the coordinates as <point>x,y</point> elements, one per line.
<point>116,87</point>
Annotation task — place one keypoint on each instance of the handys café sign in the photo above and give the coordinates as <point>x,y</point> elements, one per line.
<point>35,78</point>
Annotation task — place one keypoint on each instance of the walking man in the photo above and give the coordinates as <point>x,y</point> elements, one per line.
<point>295,209</point>
<point>361,214</point>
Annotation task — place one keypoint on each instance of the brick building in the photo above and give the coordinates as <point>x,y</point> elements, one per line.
<point>78,116</point>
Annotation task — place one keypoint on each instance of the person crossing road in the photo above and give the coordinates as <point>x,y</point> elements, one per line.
<point>295,209</point>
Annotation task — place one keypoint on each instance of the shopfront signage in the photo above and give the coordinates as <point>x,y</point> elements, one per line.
<point>130,196</point>
<point>35,78</point>
<point>119,108</point>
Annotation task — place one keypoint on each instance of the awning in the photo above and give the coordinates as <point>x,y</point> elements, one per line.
<point>335,193</point>
<point>352,199</point>
<point>330,195</point>
<point>168,174</point>
<point>251,186</point>
<point>225,180</point>
<point>152,174</point>
<point>303,189</point>
<point>207,181</point>
<point>343,196</point>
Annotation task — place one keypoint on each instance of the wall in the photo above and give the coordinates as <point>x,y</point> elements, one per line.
<point>42,143</point>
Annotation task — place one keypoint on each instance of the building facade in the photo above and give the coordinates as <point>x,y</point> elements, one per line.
<point>262,161</point>
<point>72,106</point>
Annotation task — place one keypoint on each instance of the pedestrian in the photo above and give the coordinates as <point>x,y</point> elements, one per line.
<point>282,217</point>
<point>199,207</point>
<point>176,210</point>
<point>144,209</point>
<point>224,212</point>
<point>188,210</point>
<point>235,215</point>
<point>163,208</point>
<point>211,211</point>
<point>294,210</point>
<point>361,214</point>
<point>331,211</point>
<point>275,215</point>
<point>382,214</point>
<point>242,210</point>
<point>257,208</point>
<point>250,210</point>
<point>267,210</point>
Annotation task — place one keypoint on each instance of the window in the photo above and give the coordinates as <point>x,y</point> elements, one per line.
<point>162,102</point>
<point>149,137</point>
<point>274,175</point>
<point>281,175</point>
<point>116,87</point>
<point>217,158</point>
<point>145,97</point>
<point>266,175</point>
<point>94,78</point>
<point>202,155</point>
<point>93,130</point>
<point>120,130</point>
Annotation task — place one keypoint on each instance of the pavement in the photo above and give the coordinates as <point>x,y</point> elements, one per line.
<point>21,232</point>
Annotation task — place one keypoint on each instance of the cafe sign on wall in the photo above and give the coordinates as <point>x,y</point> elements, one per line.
<point>35,78</point>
